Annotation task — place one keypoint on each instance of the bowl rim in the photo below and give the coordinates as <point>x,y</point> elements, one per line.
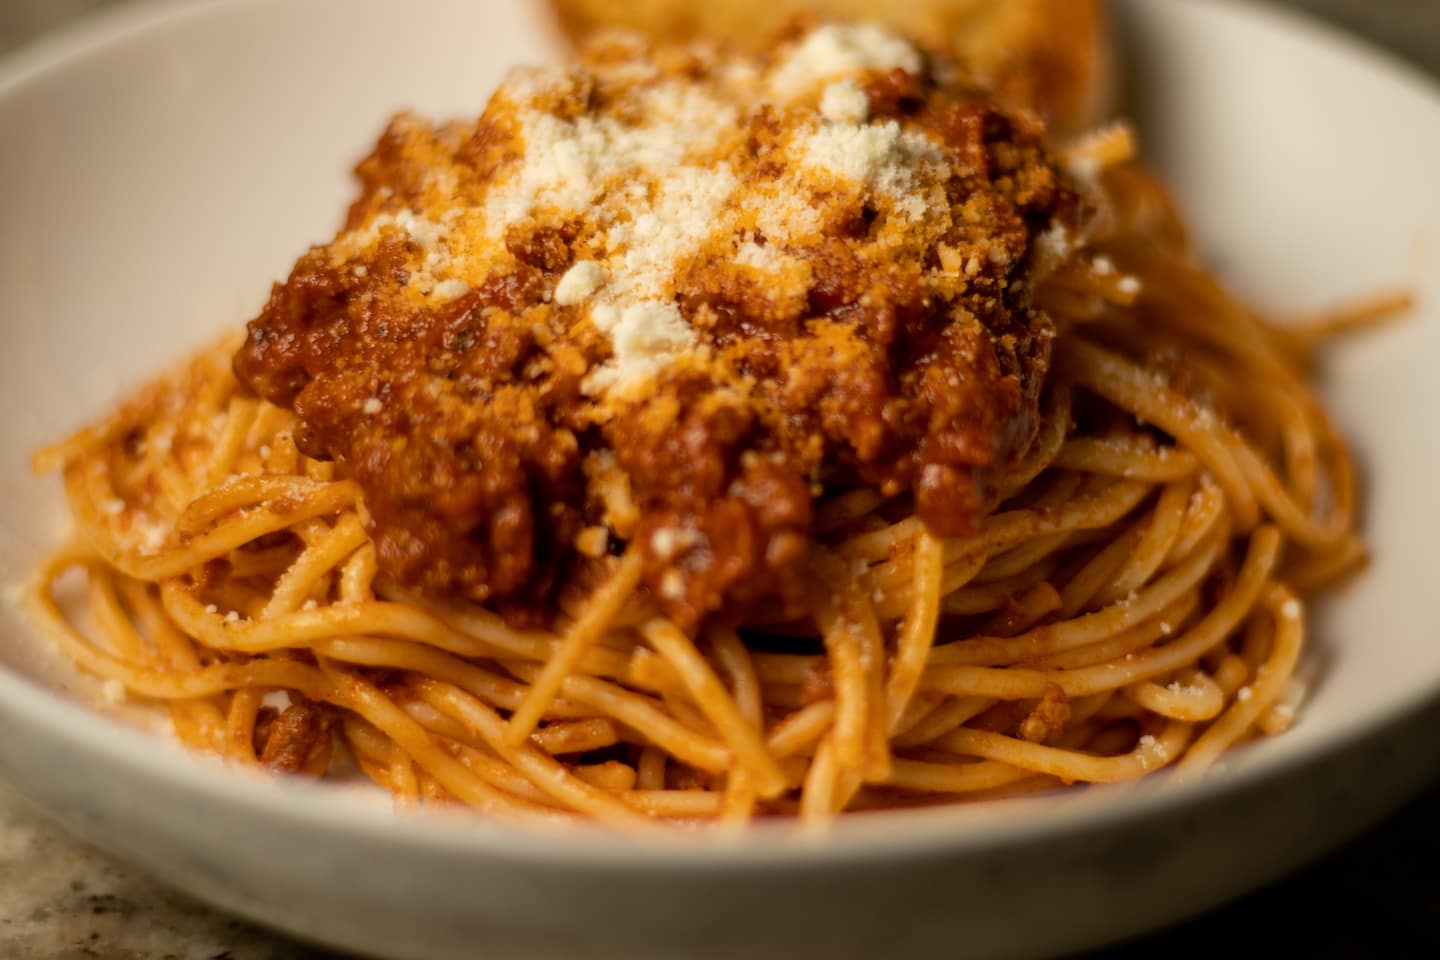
<point>338,810</point>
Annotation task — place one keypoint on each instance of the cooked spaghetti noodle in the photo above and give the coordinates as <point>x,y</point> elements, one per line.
<point>1131,598</point>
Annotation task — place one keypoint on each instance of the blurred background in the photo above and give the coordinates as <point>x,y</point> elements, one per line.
<point>1409,27</point>
<point>1379,896</point>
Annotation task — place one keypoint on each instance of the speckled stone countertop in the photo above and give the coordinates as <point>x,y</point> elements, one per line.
<point>60,900</point>
<point>1380,896</point>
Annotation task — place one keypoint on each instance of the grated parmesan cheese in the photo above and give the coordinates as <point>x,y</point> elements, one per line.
<point>570,163</point>
<point>672,585</point>
<point>861,153</point>
<point>645,336</point>
<point>451,289</point>
<point>875,156</point>
<point>424,232</point>
<point>656,195</point>
<point>844,102</point>
<point>428,236</point>
<point>579,282</point>
<point>664,542</point>
<point>751,254</point>
<point>835,50</point>
<point>1148,751</point>
<point>149,536</point>
<point>1052,248</point>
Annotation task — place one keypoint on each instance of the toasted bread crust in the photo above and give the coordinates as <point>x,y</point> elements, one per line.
<point>1046,55</point>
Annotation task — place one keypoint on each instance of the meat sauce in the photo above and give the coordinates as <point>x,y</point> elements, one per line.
<point>662,300</point>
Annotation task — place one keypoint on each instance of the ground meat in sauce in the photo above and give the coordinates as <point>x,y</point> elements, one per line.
<point>297,739</point>
<point>867,335</point>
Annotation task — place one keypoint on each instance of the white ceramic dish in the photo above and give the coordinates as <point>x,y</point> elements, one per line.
<point>161,165</point>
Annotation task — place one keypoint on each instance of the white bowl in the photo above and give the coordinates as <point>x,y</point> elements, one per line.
<point>161,165</point>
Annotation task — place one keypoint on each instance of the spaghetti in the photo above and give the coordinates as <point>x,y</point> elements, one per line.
<point>1131,597</point>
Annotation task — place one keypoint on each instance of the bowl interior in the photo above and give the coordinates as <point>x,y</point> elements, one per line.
<point>1295,158</point>
<point>159,173</point>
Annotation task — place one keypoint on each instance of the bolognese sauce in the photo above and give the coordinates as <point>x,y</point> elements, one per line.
<point>668,298</point>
